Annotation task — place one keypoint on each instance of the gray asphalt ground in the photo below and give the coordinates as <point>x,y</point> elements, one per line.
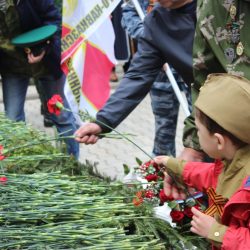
<point>109,155</point>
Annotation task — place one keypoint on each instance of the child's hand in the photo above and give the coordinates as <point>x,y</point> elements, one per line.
<point>161,160</point>
<point>201,223</point>
<point>169,188</point>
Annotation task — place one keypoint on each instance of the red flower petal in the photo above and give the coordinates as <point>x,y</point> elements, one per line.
<point>177,216</point>
<point>187,211</point>
<point>1,153</point>
<point>149,194</point>
<point>3,179</point>
<point>139,194</point>
<point>52,104</point>
<point>163,197</point>
<point>137,201</point>
<point>151,177</point>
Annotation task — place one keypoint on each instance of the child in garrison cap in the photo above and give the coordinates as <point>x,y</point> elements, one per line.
<point>222,117</point>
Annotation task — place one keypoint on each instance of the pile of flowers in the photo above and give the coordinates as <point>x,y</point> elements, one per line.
<point>55,211</point>
<point>59,211</point>
<point>151,175</point>
<point>20,145</point>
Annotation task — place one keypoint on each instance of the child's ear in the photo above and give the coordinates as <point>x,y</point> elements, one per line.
<point>220,141</point>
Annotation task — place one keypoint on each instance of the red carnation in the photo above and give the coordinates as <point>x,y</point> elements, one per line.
<point>156,166</point>
<point>138,200</point>
<point>150,163</point>
<point>139,194</point>
<point>151,177</point>
<point>1,153</point>
<point>3,179</point>
<point>149,194</point>
<point>147,164</point>
<point>163,197</point>
<point>188,212</point>
<point>55,104</point>
<point>177,216</point>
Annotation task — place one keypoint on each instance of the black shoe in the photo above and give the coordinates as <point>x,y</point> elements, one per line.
<point>47,122</point>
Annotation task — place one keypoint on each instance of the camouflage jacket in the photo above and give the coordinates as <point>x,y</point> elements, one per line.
<point>131,21</point>
<point>215,48</point>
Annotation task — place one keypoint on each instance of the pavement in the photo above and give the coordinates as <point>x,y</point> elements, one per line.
<point>109,155</point>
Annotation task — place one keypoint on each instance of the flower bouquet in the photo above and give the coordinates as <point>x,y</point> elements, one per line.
<point>176,212</point>
<point>35,214</point>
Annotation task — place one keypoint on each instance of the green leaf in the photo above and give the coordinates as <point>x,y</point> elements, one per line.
<point>126,169</point>
<point>139,162</point>
<point>173,204</point>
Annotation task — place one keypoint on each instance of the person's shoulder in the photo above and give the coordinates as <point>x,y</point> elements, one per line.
<point>156,11</point>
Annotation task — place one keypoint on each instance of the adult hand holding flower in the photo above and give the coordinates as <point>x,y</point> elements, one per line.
<point>88,133</point>
<point>91,131</point>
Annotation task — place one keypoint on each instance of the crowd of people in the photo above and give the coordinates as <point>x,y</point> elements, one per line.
<point>206,44</point>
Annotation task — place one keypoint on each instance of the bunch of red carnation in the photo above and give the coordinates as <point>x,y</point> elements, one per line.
<point>151,171</point>
<point>181,209</point>
<point>153,193</point>
<point>153,175</point>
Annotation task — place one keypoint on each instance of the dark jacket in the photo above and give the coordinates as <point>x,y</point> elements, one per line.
<point>168,37</point>
<point>36,13</point>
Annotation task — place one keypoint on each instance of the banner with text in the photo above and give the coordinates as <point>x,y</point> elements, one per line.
<point>87,53</point>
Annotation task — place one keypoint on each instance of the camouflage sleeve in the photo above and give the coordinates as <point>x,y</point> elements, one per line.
<point>190,137</point>
<point>204,62</point>
<point>131,21</point>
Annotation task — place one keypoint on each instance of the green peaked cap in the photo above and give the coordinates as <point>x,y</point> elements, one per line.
<point>34,36</point>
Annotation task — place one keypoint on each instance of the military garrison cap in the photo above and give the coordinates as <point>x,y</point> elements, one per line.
<point>226,100</point>
<point>35,40</point>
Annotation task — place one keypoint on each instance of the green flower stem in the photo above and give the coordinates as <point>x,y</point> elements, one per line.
<point>89,117</point>
<point>86,115</point>
<point>126,138</point>
<point>5,151</point>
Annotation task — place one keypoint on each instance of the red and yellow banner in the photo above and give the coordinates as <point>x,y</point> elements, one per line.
<point>87,53</point>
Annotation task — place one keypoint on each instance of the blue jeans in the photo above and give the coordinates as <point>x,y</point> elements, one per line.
<point>14,94</point>
<point>165,106</point>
